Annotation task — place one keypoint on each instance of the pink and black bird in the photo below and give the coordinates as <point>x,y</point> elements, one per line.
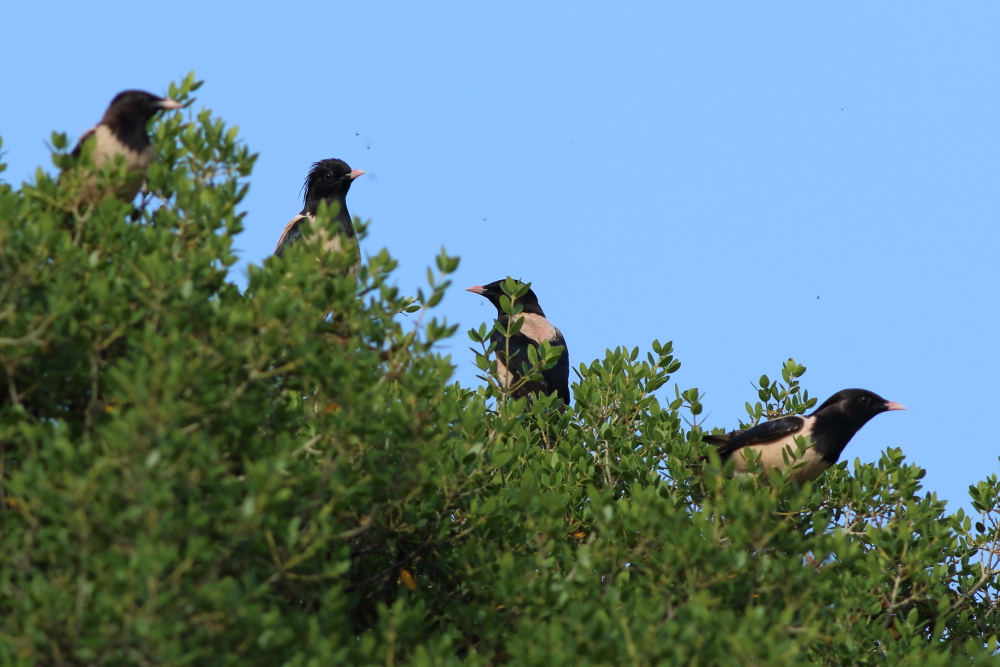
<point>535,329</point>
<point>122,132</point>
<point>329,181</point>
<point>830,427</point>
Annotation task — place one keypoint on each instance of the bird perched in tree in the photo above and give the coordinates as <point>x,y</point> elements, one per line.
<point>122,132</point>
<point>830,427</point>
<point>329,181</point>
<point>535,329</point>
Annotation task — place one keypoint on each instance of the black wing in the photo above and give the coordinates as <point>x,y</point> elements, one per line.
<point>554,379</point>
<point>766,432</point>
<point>290,234</point>
<point>557,377</point>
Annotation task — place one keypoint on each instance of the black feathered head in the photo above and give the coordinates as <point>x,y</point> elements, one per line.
<point>858,406</point>
<point>493,291</point>
<point>328,180</point>
<point>137,105</point>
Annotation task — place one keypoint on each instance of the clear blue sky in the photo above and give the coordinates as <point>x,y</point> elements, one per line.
<point>695,172</point>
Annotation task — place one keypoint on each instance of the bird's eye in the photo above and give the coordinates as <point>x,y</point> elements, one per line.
<point>864,399</point>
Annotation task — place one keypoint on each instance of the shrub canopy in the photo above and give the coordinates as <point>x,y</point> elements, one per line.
<point>192,475</point>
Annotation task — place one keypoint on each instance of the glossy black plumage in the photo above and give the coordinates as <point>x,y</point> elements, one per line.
<point>830,427</point>
<point>122,132</point>
<point>512,356</point>
<point>329,181</point>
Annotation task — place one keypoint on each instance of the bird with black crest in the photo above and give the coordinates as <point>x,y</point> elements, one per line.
<point>830,427</point>
<point>512,354</point>
<point>328,181</point>
<point>121,134</point>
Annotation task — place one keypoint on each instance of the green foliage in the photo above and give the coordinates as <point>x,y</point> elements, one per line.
<point>780,399</point>
<point>286,476</point>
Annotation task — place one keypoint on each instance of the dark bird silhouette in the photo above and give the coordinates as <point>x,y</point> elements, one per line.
<point>122,132</point>
<point>830,427</point>
<point>329,181</point>
<point>535,329</point>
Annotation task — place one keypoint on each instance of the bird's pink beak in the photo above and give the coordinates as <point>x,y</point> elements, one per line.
<point>170,105</point>
<point>475,289</point>
<point>355,173</point>
<point>894,406</point>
